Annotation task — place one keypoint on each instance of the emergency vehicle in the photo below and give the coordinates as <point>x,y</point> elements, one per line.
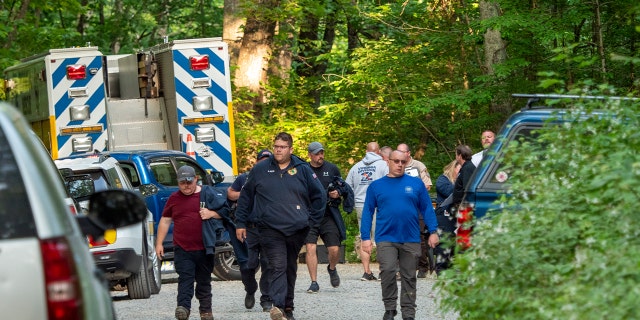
<point>173,96</point>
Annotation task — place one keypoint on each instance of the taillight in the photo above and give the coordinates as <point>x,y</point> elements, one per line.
<point>109,237</point>
<point>76,72</point>
<point>64,300</point>
<point>199,62</point>
<point>464,218</point>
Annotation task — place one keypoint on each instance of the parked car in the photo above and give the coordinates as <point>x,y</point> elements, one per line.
<point>159,168</point>
<point>491,179</point>
<point>126,255</point>
<point>47,271</point>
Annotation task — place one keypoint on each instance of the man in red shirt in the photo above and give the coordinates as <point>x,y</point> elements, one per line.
<point>191,262</point>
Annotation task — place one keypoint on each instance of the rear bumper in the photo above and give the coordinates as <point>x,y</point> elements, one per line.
<point>117,264</point>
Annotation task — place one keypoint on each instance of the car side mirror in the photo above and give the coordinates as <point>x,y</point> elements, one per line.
<point>112,209</point>
<point>147,190</point>
<point>79,186</point>
<point>216,177</point>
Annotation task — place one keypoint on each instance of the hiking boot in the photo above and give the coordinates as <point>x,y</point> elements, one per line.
<point>249,301</point>
<point>368,277</point>
<point>206,316</point>
<point>335,278</point>
<point>422,274</point>
<point>266,305</point>
<point>389,314</point>
<point>277,314</point>
<point>289,314</point>
<point>182,313</point>
<point>314,287</point>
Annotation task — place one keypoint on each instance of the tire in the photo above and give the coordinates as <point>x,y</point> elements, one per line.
<point>154,273</point>
<point>138,283</point>
<point>226,266</point>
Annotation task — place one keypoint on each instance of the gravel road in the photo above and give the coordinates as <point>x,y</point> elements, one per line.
<point>354,299</point>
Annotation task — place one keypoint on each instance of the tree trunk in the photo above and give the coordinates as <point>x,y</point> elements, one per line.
<point>599,41</point>
<point>283,57</point>
<point>255,53</point>
<point>494,47</point>
<point>14,31</point>
<point>232,29</point>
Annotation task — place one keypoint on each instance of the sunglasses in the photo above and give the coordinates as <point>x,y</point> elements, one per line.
<point>396,161</point>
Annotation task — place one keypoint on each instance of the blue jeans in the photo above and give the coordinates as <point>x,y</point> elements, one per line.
<point>193,266</point>
<point>282,252</point>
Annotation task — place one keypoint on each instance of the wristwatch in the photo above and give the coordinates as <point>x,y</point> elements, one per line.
<point>433,232</point>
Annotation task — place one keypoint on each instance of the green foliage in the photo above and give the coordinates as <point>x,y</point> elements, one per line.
<point>566,245</point>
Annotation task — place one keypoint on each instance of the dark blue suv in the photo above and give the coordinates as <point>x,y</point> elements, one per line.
<point>491,178</point>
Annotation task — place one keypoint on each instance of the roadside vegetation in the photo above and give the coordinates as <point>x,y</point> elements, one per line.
<point>567,243</point>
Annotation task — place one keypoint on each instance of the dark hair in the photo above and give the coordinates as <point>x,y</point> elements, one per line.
<point>284,137</point>
<point>464,151</point>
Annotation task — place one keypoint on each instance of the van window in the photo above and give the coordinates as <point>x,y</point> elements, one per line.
<point>16,219</point>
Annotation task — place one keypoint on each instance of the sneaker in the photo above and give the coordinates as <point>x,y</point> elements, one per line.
<point>289,314</point>
<point>314,287</point>
<point>335,278</point>
<point>422,274</point>
<point>277,314</point>
<point>368,277</point>
<point>206,316</point>
<point>182,313</point>
<point>266,305</point>
<point>249,301</point>
<point>389,314</point>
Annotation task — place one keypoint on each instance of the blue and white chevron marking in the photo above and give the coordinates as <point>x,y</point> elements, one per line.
<point>95,99</point>
<point>220,157</point>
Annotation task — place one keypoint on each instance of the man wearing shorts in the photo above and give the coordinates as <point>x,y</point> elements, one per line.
<point>331,229</point>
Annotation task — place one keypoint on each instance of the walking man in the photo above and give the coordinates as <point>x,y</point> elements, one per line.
<point>400,200</point>
<point>288,199</point>
<point>251,245</point>
<point>361,175</point>
<point>331,229</point>
<point>192,263</point>
<point>418,169</point>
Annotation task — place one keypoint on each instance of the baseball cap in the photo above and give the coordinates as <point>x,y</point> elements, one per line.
<point>315,147</point>
<point>264,153</point>
<point>186,173</point>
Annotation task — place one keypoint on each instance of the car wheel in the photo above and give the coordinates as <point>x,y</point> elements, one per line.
<point>138,283</point>
<point>154,273</point>
<point>226,266</point>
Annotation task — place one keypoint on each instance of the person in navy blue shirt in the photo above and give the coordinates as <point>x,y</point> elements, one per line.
<point>400,200</point>
<point>251,245</point>
<point>288,199</point>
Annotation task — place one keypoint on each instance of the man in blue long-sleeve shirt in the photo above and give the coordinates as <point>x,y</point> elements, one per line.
<point>400,200</point>
<point>288,199</point>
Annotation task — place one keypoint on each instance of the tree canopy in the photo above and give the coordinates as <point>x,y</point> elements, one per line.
<point>432,74</point>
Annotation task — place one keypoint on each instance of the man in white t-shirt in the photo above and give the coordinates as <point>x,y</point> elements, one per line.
<point>487,139</point>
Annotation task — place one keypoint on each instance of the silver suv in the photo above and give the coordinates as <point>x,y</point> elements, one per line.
<point>126,255</point>
<point>45,267</point>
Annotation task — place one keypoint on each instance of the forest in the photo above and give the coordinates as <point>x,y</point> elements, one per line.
<point>432,74</point>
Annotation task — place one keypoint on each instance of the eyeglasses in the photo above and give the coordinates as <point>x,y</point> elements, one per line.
<point>396,161</point>
<point>280,147</point>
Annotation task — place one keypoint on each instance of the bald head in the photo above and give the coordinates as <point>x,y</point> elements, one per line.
<point>373,147</point>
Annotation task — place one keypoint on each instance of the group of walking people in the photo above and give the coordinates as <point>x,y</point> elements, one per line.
<point>285,203</point>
